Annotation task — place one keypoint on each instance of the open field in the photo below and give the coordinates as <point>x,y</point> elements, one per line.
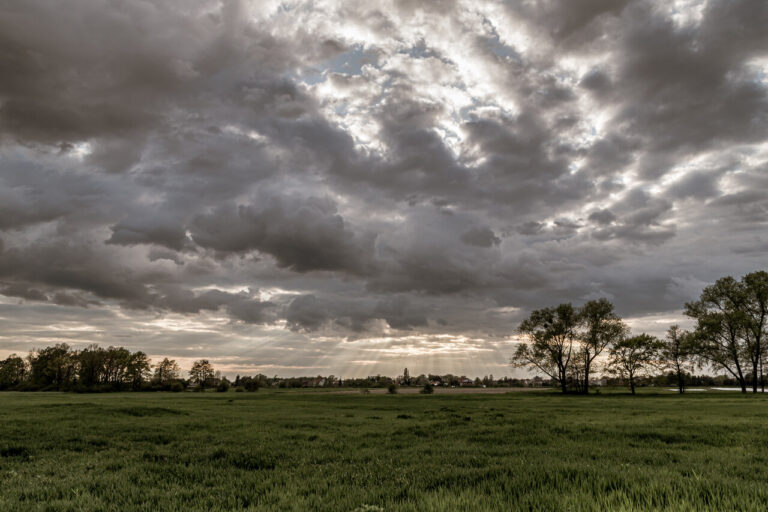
<point>318,451</point>
<point>439,390</point>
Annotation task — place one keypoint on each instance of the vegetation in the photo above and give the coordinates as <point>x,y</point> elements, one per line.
<point>731,316</point>
<point>632,356</point>
<point>285,450</point>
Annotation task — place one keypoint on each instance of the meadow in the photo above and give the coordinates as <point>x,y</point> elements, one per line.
<point>275,450</point>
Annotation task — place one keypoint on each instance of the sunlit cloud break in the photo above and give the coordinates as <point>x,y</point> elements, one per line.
<point>335,187</point>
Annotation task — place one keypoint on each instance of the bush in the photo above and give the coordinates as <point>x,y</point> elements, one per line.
<point>223,386</point>
<point>239,390</point>
<point>392,389</point>
<point>251,384</point>
<point>428,389</point>
<point>176,387</point>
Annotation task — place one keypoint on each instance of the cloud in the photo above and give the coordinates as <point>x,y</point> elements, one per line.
<point>335,173</point>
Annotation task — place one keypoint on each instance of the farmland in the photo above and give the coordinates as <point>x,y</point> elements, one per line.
<point>275,450</point>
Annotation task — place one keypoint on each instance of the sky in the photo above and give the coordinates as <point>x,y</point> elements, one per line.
<point>351,188</point>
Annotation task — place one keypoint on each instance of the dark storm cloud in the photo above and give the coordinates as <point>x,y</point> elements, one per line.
<point>301,234</point>
<point>346,170</point>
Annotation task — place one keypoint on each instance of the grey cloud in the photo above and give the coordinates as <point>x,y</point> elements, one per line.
<point>481,237</point>
<point>302,235</point>
<point>602,217</point>
<point>360,166</point>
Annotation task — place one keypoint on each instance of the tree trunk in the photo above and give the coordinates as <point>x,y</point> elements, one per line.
<point>632,385</point>
<point>754,376</point>
<point>680,383</point>
<point>586,376</point>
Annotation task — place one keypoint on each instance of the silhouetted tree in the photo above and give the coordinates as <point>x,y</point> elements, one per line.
<point>755,296</point>
<point>676,354</point>
<point>551,333</point>
<point>53,366</point>
<point>630,357</point>
<point>166,371</point>
<point>91,368</point>
<point>201,373</point>
<point>137,369</point>
<point>13,370</point>
<point>721,328</point>
<point>601,328</point>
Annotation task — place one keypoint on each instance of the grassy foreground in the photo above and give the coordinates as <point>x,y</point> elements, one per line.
<point>316,451</point>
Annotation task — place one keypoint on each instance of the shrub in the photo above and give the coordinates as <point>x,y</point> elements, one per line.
<point>428,389</point>
<point>176,387</point>
<point>251,384</point>
<point>392,389</point>
<point>223,386</point>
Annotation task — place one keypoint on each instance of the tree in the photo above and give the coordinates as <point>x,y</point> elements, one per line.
<point>54,366</point>
<point>250,383</point>
<point>138,369</point>
<point>201,373</point>
<point>677,354</point>
<point>223,385</point>
<point>755,296</point>
<point>12,371</point>
<point>721,329</point>
<point>550,346</point>
<point>166,371</point>
<point>632,356</point>
<point>428,389</point>
<point>91,369</point>
<point>601,329</point>
<point>406,378</point>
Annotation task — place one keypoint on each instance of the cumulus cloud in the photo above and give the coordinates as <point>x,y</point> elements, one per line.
<point>324,173</point>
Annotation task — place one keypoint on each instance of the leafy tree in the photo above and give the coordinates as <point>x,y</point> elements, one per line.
<point>53,366</point>
<point>551,333</point>
<point>91,371</point>
<point>677,354</point>
<point>392,389</point>
<point>250,383</point>
<point>630,357</point>
<point>12,371</point>
<point>201,373</point>
<point>116,360</point>
<point>755,297</point>
<point>428,389</point>
<point>223,385</point>
<point>137,370</point>
<point>721,331</point>
<point>166,371</point>
<point>601,329</point>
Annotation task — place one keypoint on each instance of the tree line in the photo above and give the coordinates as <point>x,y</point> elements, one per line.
<point>97,369</point>
<point>62,368</point>
<point>567,343</point>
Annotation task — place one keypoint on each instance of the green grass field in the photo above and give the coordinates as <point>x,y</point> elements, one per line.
<point>317,451</point>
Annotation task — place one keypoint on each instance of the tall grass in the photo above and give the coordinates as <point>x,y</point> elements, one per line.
<point>293,451</point>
